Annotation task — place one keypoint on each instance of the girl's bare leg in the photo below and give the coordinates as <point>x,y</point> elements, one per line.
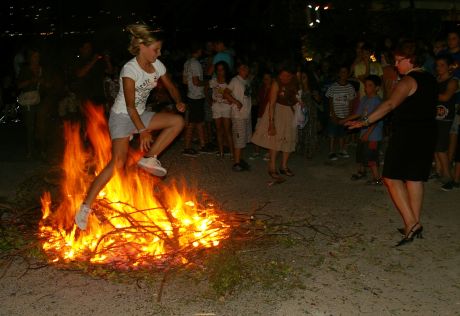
<point>284,161</point>
<point>272,161</point>
<point>120,149</point>
<point>170,125</point>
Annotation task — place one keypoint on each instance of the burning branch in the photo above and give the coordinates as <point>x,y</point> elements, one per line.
<point>138,221</point>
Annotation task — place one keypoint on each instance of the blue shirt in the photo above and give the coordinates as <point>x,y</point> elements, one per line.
<point>224,56</point>
<point>366,107</point>
<point>456,58</point>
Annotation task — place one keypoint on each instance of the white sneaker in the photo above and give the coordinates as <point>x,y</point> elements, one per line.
<point>152,165</point>
<point>81,218</point>
<point>343,154</point>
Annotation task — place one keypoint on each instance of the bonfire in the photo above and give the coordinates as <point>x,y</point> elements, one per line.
<point>139,221</point>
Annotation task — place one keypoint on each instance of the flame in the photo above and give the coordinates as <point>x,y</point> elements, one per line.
<point>165,224</point>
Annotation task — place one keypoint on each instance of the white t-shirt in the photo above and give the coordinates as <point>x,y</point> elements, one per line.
<point>218,91</point>
<point>238,86</point>
<point>192,68</point>
<point>144,83</point>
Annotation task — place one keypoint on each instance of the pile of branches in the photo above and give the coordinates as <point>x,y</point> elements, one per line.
<point>244,229</point>
<point>124,253</point>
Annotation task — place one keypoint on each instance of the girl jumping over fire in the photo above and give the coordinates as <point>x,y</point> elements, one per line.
<point>128,116</point>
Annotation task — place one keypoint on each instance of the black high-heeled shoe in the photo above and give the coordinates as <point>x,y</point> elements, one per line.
<point>402,231</point>
<point>409,237</point>
<point>418,232</point>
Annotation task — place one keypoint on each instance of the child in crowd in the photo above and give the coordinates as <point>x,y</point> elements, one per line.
<point>238,93</point>
<point>367,152</point>
<point>341,94</point>
<point>221,108</point>
<point>445,114</point>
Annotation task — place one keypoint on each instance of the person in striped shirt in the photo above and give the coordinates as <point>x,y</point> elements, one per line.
<point>340,94</point>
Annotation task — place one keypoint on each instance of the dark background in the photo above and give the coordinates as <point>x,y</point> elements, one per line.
<point>267,26</point>
<point>272,29</point>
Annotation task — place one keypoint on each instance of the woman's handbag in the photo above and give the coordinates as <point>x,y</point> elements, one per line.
<point>300,116</point>
<point>29,98</point>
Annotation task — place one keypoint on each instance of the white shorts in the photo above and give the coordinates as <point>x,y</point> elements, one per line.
<point>121,125</point>
<point>242,132</point>
<point>221,110</point>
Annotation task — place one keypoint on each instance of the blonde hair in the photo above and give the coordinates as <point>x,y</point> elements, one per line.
<point>142,34</point>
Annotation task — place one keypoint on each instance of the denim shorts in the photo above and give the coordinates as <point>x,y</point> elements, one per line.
<point>121,125</point>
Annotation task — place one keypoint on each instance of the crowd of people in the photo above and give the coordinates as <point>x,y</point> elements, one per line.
<point>398,105</point>
<point>292,105</point>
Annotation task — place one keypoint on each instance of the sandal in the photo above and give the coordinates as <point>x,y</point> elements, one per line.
<point>287,172</point>
<point>275,175</point>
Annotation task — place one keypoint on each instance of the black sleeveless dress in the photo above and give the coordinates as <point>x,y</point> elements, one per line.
<point>411,146</point>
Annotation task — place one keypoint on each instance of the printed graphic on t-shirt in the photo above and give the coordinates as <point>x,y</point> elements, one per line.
<point>247,90</point>
<point>144,83</point>
<point>218,91</point>
<point>441,112</point>
<point>143,90</point>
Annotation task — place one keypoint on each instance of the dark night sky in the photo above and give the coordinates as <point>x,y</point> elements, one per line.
<point>241,20</point>
<point>269,23</point>
<point>28,16</point>
<point>187,14</point>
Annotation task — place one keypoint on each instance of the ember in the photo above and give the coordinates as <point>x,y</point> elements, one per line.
<point>138,221</point>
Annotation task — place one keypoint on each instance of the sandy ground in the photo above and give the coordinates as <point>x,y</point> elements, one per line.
<point>362,274</point>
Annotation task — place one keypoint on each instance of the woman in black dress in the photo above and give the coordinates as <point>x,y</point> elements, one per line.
<point>411,146</point>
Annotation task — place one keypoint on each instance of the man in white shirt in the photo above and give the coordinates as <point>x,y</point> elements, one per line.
<point>193,78</point>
